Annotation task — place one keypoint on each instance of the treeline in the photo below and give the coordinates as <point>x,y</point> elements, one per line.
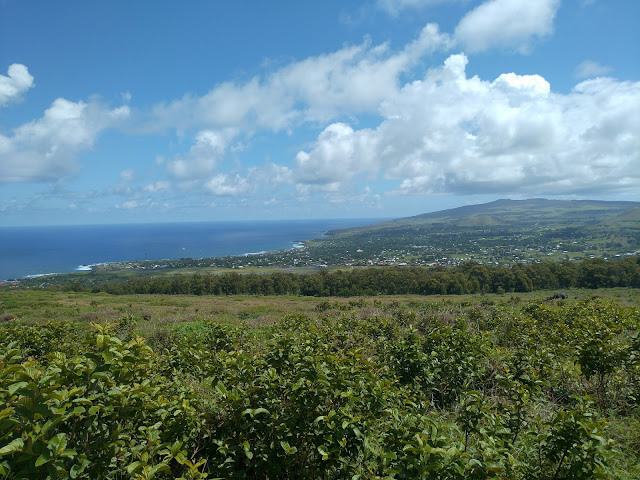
<point>469,277</point>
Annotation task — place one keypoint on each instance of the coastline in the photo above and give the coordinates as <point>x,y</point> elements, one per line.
<point>125,264</point>
<point>166,262</point>
<point>33,252</point>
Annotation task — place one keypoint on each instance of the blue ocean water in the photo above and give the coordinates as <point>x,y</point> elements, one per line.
<point>28,251</point>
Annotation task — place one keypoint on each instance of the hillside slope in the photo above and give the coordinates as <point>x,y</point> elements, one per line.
<point>526,213</point>
<point>500,232</point>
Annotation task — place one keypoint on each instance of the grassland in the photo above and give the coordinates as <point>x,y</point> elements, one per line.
<point>154,311</point>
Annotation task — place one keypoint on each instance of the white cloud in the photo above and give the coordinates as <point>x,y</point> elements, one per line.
<point>18,81</point>
<point>527,84</point>
<point>46,148</point>
<point>135,204</point>
<point>589,69</point>
<point>272,175</point>
<point>228,185</point>
<point>338,154</point>
<point>203,156</point>
<point>268,177</point>
<point>352,80</point>
<point>451,134</point>
<point>157,187</point>
<point>123,187</point>
<point>507,24</point>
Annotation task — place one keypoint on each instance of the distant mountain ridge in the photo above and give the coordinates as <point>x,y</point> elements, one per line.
<point>520,212</point>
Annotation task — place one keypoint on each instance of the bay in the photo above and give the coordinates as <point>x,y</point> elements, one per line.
<point>38,250</point>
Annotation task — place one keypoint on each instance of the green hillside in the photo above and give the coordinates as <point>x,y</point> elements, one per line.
<point>480,221</point>
<point>628,218</point>
<point>527,213</point>
<point>499,232</point>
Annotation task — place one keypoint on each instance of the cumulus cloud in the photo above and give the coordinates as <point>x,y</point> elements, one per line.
<point>507,24</point>
<point>352,80</point>
<point>532,85</point>
<point>46,148</point>
<point>228,185</point>
<point>18,81</point>
<point>589,69</point>
<point>338,153</point>
<point>272,174</point>
<point>267,177</point>
<point>451,134</point>
<point>202,157</point>
<point>355,79</point>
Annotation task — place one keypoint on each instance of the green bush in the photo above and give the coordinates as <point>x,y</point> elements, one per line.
<point>436,391</point>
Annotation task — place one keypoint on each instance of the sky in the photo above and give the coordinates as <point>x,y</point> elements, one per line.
<point>155,111</point>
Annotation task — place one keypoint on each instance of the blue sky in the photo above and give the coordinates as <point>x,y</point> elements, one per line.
<point>149,111</point>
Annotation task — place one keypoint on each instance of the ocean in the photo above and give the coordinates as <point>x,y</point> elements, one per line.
<point>28,251</point>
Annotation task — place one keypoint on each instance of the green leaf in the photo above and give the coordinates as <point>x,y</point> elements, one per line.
<point>78,468</point>
<point>6,412</point>
<point>161,467</point>
<point>51,423</point>
<point>323,451</point>
<point>69,452</point>
<point>289,450</point>
<point>247,450</point>
<point>42,459</point>
<point>132,467</point>
<point>17,386</point>
<point>255,411</point>
<point>77,411</point>
<point>13,446</point>
<point>175,448</point>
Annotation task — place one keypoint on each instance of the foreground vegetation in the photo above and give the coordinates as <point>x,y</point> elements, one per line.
<point>486,386</point>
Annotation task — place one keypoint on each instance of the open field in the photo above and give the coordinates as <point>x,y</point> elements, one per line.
<point>42,305</point>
